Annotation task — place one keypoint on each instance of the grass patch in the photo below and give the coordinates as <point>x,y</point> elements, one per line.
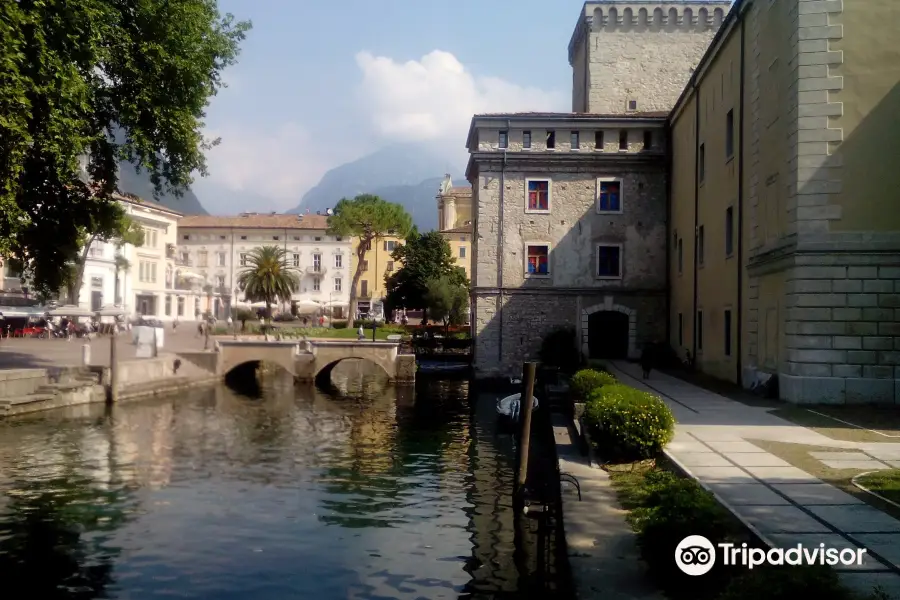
<point>877,418</point>
<point>883,483</point>
<point>311,332</point>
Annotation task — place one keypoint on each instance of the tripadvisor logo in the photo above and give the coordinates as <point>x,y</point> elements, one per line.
<point>696,555</point>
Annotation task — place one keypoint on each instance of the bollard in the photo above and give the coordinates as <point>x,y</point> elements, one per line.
<point>85,355</point>
<point>526,405</point>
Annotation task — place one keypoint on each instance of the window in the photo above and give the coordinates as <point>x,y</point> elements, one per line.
<point>243,237</point>
<point>609,261</point>
<point>609,195</point>
<point>364,288</point>
<point>462,251</point>
<point>680,255</point>
<point>97,282</point>
<point>632,105</point>
<point>221,237</point>
<point>648,140</point>
<point>390,266</point>
<point>295,260</point>
<point>538,195</point>
<point>390,246</point>
<point>701,160</point>
<point>680,329</point>
<point>202,258</point>
<point>727,333</point>
<point>197,306</point>
<point>551,140</point>
<point>729,134</point>
<point>365,265</point>
<point>623,140</point>
<point>526,139</point>
<point>243,260</point>
<point>220,281</point>
<point>574,141</point>
<point>700,245</point>
<point>699,330</point>
<point>338,238</point>
<point>317,262</point>
<point>296,238</point>
<point>318,238</point>
<point>168,305</point>
<point>185,237</point>
<point>220,259</point>
<point>317,284</point>
<point>338,261</point>
<point>504,139</point>
<point>368,245</point>
<point>186,258</point>
<point>537,259</point>
<point>180,306</point>
<point>275,238</point>
<point>337,284</point>
<point>729,231</point>
<point>598,140</point>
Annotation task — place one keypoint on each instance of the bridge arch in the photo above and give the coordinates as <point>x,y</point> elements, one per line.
<point>324,368</point>
<point>230,365</point>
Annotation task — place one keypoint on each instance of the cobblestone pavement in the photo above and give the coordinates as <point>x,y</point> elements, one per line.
<point>784,504</point>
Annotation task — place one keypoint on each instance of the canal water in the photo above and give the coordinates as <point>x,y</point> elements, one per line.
<point>363,492</point>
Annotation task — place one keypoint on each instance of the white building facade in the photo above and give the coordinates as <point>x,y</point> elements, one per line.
<point>212,251</point>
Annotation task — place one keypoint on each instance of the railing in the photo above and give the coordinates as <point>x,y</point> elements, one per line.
<point>365,295</point>
<point>181,262</point>
<point>186,285</point>
<point>315,270</point>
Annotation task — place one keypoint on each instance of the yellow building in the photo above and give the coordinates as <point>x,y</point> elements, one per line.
<point>785,229</point>
<point>378,264</point>
<point>454,205</point>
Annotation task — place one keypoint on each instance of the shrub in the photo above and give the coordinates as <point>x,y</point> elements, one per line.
<point>586,381</point>
<point>787,583</point>
<point>339,324</point>
<point>628,424</point>
<point>559,349</point>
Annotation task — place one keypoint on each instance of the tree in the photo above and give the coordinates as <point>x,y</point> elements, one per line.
<point>425,257</point>
<point>126,231</point>
<point>446,301</point>
<point>268,278</point>
<point>85,84</point>
<point>367,217</point>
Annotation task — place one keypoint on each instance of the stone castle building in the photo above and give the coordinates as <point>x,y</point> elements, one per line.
<point>725,183</point>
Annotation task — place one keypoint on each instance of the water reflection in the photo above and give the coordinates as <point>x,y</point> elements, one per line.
<point>375,492</point>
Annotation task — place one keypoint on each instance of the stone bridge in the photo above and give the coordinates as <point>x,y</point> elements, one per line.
<point>306,359</point>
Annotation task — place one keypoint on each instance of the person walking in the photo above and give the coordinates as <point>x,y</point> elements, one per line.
<point>647,360</point>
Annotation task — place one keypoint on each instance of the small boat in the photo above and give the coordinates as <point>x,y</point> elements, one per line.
<point>510,408</point>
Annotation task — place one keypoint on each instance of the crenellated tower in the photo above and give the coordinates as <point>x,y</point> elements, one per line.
<point>637,55</point>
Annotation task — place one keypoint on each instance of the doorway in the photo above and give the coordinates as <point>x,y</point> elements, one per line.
<point>608,335</point>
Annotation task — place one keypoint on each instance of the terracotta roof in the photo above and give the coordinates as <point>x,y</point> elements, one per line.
<point>256,221</point>
<point>556,115</point>
<point>463,229</point>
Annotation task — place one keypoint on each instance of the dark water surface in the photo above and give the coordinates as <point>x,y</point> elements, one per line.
<point>298,494</point>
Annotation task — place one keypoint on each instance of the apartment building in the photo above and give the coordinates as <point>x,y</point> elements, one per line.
<point>211,252</point>
<point>378,265</point>
<point>454,205</point>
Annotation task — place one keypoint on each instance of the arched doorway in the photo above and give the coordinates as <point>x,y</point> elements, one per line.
<point>608,334</point>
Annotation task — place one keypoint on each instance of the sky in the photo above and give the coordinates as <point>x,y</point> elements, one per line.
<point>320,83</point>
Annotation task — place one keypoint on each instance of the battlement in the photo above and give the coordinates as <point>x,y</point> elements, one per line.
<point>647,16</point>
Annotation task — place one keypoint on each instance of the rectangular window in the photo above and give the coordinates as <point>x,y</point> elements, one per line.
<point>504,139</point>
<point>700,245</point>
<point>317,284</point>
<point>609,261</point>
<point>96,300</point>
<point>648,140</point>
<point>609,196</point>
<point>202,258</point>
<point>680,329</point>
<point>185,258</point>
<point>337,284</point>
<point>180,305</point>
<point>152,272</point>
<point>574,141</point>
<point>701,166</point>
<point>364,288</point>
<point>537,259</point>
<point>727,333</point>
<point>275,238</point>
<point>680,255</point>
<point>623,140</point>
<point>185,237</point>
<point>538,195</point>
<point>729,231</point>
<point>168,305</point>
<point>317,262</point>
<point>699,330</point>
<point>365,265</point>
<point>243,237</point>
<point>551,140</point>
<point>598,140</point>
<point>220,259</point>
<point>338,261</point>
<point>221,237</point>
<point>220,281</point>
<point>526,139</point>
<point>97,282</point>
<point>632,105</point>
<point>243,260</point>
<point>462,251</point>
<point>295,260</point>
<point>729,134</point>
<point>390,266</point>
<point>390,246</point>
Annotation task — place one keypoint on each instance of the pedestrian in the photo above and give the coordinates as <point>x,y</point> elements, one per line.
<point>361,335</point>
<point>200,329</point>
<point>647,360</point>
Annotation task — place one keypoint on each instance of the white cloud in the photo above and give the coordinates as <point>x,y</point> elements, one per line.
<point>435,97</point>
<point>279,164</point>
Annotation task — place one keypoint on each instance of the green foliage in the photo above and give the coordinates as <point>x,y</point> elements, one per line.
<point>425,257</point>
<point>559,349</point>
<point>124,231</point>
<point>585,381</point>
<point>627,423</point>
<point>268,278</point>
<point>74,73</point>
<point>788,583</point>
<point>242,314</point>
<point>446,301</point>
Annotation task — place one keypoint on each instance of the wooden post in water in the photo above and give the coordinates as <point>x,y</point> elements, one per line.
<point>113,365</point>
<point>526,405</point>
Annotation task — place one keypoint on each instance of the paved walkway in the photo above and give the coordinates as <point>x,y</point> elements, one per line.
<point>782,503</point>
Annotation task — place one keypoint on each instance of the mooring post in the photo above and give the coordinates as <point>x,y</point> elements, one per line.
<point>526,404</point>
<point>113,366</point>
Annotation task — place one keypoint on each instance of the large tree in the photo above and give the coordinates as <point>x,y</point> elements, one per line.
<point>126,231</point>
<point>73,74</point>
<point>367,217</point>
<point>267,277</point>
<point>425,257</point>
<point>446,300</point>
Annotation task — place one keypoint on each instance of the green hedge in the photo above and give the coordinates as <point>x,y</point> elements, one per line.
<point>627,424</point>
<point>585,381</point>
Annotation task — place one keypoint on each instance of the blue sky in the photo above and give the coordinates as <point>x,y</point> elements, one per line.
<point>320,83</point>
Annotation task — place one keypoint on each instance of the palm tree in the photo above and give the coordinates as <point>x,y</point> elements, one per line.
<point>267,277</point>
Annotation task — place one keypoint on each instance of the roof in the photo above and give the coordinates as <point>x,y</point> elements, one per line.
<point>459,190</point>
<point>463,229</point>
<point>574,115</point>
<point>256,221</point>
<point>152,204</point>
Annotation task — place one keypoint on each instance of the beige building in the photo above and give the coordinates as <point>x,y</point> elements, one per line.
<point>784,164</point>
<point>378,265</point>
<point>454,204</point>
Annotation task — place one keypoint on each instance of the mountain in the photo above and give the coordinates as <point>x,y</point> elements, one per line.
<point>140,185</point>
<point>408,174</point>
